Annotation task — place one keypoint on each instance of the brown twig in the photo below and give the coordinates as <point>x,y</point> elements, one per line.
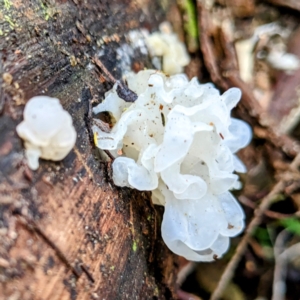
<point>258,215</point>
<point>109,155</point>
<point>182,295</point>
<point>293,4</point>
<point>284,142</point>
<point>280,266</point>
<point>206,46</point>
<point>288,145</point>
<point>226,74</point>
<point>122,89</point>
<point>268,213</point>
<point>99,63</point>
<point>242,246</point>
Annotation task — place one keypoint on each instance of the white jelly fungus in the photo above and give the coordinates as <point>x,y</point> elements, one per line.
<point>47,130</point>
<point>179,141</point>
<point>166,44</point>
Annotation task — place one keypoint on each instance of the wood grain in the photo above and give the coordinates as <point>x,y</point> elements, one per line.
<point>66,231</point>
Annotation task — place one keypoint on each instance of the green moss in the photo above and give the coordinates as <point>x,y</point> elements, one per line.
<point>10,22</point>
<point>45,11</point>
<point>291,224</point>
<point>189,11</point>
<point>134,246</point>
<point>7,4</point>
<point>263,236</point>
<point>191,24</point>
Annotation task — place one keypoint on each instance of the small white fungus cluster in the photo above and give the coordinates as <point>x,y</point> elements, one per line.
<point>178,141</point>
<point>47,130</point>
<point>166,44</point>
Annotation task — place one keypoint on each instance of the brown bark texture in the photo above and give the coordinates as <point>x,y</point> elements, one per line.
<point>66,232</point>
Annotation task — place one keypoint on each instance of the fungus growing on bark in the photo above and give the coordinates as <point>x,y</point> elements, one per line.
<point>166,44</point>
<point>47,130</point>
<point>179,141</point>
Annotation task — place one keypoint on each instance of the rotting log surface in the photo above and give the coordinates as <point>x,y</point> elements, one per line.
<point>66,232</point>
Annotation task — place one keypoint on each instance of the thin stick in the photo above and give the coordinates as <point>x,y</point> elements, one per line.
<point>259,212</point>
<point>226,75</point>
<point>282,260</point>
<point>280,269</point>
<point>268,213</point>
<point>122,89</point>
<point>206,46</point>
<point>293,4</point>
<point>230,77</point>
<point>242,246</point>
<point>109,155</point>
<point>99,63</point>
<point>287,144</point>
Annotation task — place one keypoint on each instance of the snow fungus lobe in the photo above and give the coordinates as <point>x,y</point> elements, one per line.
<point>186,158</point>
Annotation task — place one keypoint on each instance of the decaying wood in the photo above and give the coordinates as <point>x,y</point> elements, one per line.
<point>66,231</point>
<point>293,4</point>
<point>221,62</point>
<point>223,69</point>
<point>285,100</point>
<point>256,220</point>
<point>122,90</point>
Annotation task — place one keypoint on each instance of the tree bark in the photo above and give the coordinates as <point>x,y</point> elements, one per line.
<point>66,232</point>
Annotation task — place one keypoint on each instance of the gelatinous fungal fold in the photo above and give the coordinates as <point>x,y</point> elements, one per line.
<point>166,44</point>
<point>47,130</point>
<point>179,141</point>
